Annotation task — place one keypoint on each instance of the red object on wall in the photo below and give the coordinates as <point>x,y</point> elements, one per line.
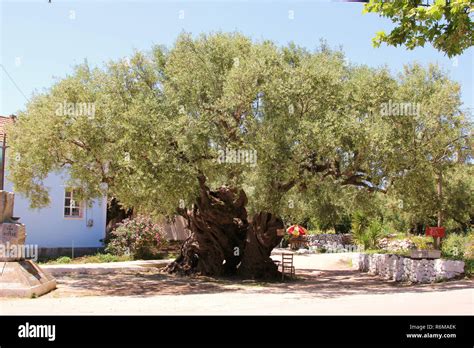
<point>435,231</point>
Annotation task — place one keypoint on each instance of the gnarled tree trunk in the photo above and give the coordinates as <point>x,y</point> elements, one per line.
<point>262,237</point>
<point>223,242</point>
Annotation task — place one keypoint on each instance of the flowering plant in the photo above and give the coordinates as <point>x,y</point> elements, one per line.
<point>139,237</point>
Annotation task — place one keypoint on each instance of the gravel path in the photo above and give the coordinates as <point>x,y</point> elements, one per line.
<point>326,285</point>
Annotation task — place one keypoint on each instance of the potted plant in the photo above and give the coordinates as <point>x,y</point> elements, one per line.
<point>437,233</point>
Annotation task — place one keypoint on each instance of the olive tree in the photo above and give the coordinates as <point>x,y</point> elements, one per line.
<point>213,128</point>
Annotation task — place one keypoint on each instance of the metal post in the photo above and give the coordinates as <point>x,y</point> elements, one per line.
<point>437,240</point>
<point>2,174</point>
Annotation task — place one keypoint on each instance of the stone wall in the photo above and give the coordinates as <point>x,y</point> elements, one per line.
<point>401,268</point>
<point>328,240</point>
<point>396,244</point>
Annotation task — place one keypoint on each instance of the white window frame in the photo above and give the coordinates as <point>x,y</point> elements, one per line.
<point>73,204</point>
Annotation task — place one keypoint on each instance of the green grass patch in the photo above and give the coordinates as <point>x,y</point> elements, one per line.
<point>383,251</point>
<point>97,258</point>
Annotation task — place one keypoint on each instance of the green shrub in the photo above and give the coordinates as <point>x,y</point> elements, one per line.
<point>97,258</point>
<point>344,226</point>
<point>375,231</point>
<point>141,238</point>
<point>314,232</point>
<point>319,231</point>
<point>102,258</point>
<point>363,239</point>
<point>469,250</point>
<point>285,241</point>
<point>367,232</point>
<point>458,246</point>
<point>359,223</point>
<point>63,259</point>
<point>377,251</point>
<point>422,242</point>
<point>469,267</point>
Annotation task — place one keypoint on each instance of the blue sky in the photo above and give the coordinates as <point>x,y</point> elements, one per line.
<point>41,42</point>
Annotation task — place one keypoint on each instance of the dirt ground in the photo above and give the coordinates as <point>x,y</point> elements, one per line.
<point>325,284</point>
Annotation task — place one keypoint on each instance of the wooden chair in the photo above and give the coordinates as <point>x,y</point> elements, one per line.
<point>287,266</point>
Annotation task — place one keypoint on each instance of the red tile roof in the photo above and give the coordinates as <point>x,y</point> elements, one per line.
<point>4,121</point>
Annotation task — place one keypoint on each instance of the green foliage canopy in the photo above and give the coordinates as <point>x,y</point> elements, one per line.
<point>319,127</point>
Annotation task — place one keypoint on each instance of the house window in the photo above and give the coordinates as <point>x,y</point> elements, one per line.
<point>72,207</point>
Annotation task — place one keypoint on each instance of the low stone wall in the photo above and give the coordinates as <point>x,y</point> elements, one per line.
<point>328,240</point>
<point>401,268</point>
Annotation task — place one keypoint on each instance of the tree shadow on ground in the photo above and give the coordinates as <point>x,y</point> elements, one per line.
<point>315,283</point>
<point>335,283</point>
<point>134,284</point>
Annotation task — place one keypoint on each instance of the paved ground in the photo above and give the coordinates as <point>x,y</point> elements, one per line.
<point>326,285</point>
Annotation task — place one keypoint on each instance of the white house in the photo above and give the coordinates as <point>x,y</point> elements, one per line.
<point>65,223</point>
